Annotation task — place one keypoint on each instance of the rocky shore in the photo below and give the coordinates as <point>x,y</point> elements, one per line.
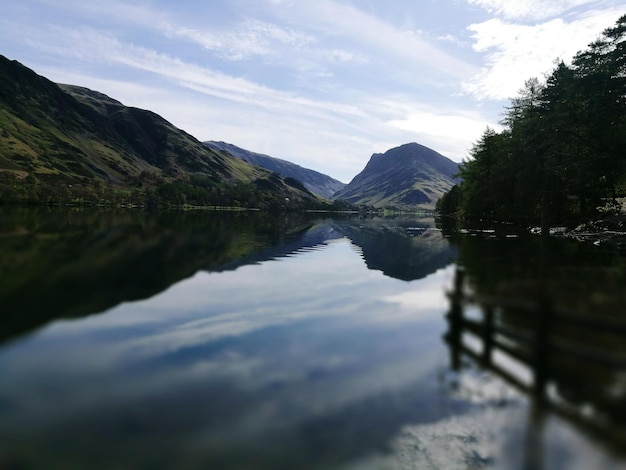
<point>611,229</point>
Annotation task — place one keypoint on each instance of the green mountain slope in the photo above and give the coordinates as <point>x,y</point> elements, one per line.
<point>63,142</point>
<point>409,175</point>
<point>314,181</point>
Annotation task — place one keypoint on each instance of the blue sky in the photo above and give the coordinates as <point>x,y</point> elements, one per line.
<point>322,83</point>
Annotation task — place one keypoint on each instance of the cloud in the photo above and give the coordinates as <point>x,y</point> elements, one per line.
<point>90,45</point>
<point>515,52</point>
<point>352,126</point>
<point>450,129</point>
<point>529,9</point>
<point>342,22</point>
<point>450,134</point>
<point>249,38</point>
<point>346,57</point>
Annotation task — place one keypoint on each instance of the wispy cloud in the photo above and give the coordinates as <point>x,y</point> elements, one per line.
<point>255,41</point>
<point>346,57</point>
<point>529,9</point>
<point>213,105</point>
<point>248,39</point>
<point>341,21</point>
<point>88,44</point>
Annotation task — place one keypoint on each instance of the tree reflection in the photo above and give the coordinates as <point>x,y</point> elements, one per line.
<point>60,264</point>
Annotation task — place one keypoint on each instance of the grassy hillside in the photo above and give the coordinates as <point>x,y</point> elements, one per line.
<point>63,143</point>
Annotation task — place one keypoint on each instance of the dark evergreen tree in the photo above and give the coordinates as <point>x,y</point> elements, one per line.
<point>601,71</point>
<point>486,188</point>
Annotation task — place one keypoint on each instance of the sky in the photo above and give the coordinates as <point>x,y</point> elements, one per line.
<point>321,83</point>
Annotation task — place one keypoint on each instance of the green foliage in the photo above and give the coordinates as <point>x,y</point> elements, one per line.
<point>486,179</point>
<point>561,154</point>
<point>450,202</point>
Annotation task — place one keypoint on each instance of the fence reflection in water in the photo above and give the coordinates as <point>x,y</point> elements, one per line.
<point>571,366</point>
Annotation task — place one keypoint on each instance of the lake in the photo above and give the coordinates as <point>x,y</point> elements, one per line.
<point>248,341</point>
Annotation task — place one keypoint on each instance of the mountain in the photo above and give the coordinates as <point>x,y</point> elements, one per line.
<point>314,181</point>
<point>409,175</point>
<point>63,143</point>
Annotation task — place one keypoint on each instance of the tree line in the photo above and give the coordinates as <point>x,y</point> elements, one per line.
<point>152,191</point>
<point>561,155</point>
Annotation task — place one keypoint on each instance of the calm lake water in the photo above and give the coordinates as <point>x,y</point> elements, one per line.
<point>243,341</point>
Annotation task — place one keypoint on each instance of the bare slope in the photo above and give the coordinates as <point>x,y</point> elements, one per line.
<point>409,175</point>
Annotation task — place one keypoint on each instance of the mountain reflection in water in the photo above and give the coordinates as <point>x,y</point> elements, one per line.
<point>59,264</point>
<point>208,340</point>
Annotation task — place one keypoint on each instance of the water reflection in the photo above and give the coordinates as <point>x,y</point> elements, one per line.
<point>73,263</point>
<point>204,340</point>
<point>59,264</point>
<point>548,317</point>
<point>406,249</point>
<point>307,360</point>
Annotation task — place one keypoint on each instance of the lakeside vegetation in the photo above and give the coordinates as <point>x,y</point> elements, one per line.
<point>150,191</point>
<point>560,158</point>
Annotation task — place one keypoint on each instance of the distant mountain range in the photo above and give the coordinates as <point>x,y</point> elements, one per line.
<point>409,175</point>
<point>314,181</point>
<point>406,176</point>
<point>63,143</point>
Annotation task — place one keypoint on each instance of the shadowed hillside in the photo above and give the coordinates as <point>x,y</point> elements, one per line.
<point>314,181</point>
<point>409,175</point>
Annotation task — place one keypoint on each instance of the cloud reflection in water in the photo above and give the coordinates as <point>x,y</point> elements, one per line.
<point>281,352</point>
